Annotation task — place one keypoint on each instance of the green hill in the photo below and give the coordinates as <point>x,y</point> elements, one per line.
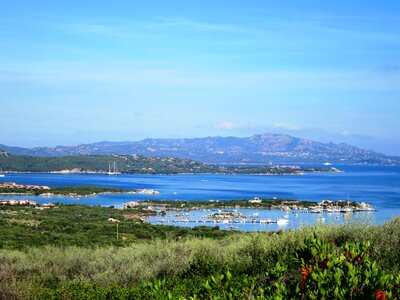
<point>100,163</point>
<point>137,164</point>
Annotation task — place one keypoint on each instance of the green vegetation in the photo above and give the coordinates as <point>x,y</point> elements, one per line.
<point>72,252</point>
<point>274,170</point>
<point>100,163</point>
<point>136,164</point>
<point>85,226</point>
<point>200,204</point>
<point>66,190</point>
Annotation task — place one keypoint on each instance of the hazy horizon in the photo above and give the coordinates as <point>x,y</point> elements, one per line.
<point>74,73</point>
<point>138,140</point>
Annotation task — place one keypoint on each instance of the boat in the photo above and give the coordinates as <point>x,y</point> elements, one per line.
<point>2,174</point>
<point>327,164</point>
<point>347,209</point>
<point>232,227</point>
<point>282,221</point>
<point>112,170</point>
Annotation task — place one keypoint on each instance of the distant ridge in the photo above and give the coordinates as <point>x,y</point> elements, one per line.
<point>259,148</point>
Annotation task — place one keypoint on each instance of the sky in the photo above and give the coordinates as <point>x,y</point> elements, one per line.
<point>86,71</point>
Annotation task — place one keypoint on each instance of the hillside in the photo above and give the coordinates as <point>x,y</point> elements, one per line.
<point>137,164</point>
<point>259,148</point>
<point>100,164</point>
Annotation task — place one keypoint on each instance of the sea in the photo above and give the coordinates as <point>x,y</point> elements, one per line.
<point>375,185</point>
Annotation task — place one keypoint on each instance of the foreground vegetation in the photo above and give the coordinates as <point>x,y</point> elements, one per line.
<point>284,265</point>
<point>86,260</point>
<point>85,226</point>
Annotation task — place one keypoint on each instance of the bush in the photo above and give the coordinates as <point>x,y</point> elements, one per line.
<point>352,260</point>
<point>316,270</point>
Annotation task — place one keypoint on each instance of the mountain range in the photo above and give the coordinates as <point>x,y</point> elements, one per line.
<point>260,148</point>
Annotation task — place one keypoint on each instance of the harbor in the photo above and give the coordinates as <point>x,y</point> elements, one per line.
<point>250,219</point>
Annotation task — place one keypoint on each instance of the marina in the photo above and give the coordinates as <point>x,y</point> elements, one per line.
<point>247,219</point>
<point>377,186</point>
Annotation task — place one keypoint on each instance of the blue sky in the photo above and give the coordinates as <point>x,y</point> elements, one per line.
<point>85,71</point>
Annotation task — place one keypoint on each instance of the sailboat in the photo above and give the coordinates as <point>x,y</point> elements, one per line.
<point>112,170</point>
<point>2,174</point>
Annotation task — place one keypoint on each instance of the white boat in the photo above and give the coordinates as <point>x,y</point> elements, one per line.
<point>112,170</point>
<point>327,164</point>
<point>282,221</point>
<point>316,210</point>
<point>2,174</point>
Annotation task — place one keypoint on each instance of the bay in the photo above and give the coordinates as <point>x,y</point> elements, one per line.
<point>376,185</point>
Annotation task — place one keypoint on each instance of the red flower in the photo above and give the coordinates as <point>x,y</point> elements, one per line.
<point>305,272</point>
<point>380,295</point>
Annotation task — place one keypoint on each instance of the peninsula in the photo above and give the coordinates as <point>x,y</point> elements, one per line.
<point>138,164</point>
<point>256,203</point>
<point>12,188</point>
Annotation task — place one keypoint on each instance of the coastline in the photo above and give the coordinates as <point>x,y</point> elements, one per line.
<point>256,203</point>
<point>75,195</point>
<point>65,172</point>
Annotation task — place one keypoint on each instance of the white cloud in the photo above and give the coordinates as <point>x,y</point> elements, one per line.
<point>231,126</point>
<point>187,23</point>
<point>287,126</point>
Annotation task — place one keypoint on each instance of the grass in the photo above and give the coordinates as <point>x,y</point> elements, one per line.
<point>25,273</point>
<point>85,226</point>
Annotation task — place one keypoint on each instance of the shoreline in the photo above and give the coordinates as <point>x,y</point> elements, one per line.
<point>73,195</point>
<point>287,205</point>
<point>300,173</point>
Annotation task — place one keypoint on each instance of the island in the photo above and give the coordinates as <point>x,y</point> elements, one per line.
<point>255,203</point>
<point>139,164</point>
<point>12,188</point>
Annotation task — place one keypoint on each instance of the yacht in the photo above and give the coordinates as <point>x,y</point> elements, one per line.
<point>316,210</point>
<point>112,170</point>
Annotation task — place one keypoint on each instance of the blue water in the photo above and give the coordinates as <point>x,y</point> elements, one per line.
<point>376,185</point>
